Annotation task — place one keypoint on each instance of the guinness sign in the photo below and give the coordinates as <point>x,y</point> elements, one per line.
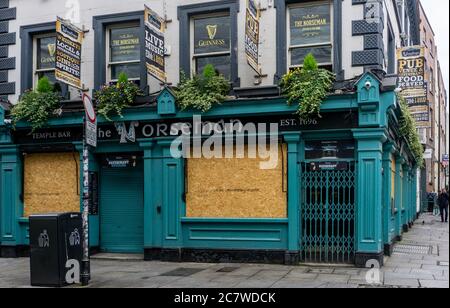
<point>212,35</point>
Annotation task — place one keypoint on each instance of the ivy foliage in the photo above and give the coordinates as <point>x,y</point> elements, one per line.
<point>307,87</point>
<point>408,130</point>
<point>202,91</point>
<point>113,98</point>
<point>37,106</point>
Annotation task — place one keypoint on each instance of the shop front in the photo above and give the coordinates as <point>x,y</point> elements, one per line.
<point>338,189</point>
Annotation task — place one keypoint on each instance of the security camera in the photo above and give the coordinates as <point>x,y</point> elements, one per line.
<point>368,85</point>
<point>398,90</point>
<point>7,121</point>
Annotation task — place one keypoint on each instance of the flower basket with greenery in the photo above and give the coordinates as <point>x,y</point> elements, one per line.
<point>307,87</point>
<point>37,106</point>
<point>203,91</point>
<point>113,98</point>
<point>408,130</point>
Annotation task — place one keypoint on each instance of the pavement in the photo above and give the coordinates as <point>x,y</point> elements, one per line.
<point>421,260</point>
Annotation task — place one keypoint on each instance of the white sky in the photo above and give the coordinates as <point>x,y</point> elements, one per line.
<point>438,15</point>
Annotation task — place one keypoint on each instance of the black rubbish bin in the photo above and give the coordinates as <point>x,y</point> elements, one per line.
<point>54,239</point>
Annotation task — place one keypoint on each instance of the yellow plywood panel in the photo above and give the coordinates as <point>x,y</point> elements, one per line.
<point>236,188</point>
<point>51,183</point>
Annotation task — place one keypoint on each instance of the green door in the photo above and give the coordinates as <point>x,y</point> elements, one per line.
<point>122,210</point>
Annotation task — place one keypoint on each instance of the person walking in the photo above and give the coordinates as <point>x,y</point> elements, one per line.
<point>443,205</point>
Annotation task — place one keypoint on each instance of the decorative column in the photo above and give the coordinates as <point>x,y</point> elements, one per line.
<point>414,194</point>
<point>150,250</point>
<point>388,200</point>
<point>399,195</point>
<point>11,205</point>
<point>405,202</point>
<point>293,253</point>
<point>369,242</point>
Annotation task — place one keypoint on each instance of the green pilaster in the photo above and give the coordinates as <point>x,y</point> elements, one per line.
<point>11,205</point>
<point>414,193</point>
<point>405,203</point>
<point>399,194</point>
<point>172,190</point>
<point>149,211</point>
<point>388,201</point>
<point>369,195</point>
<point>293,140</point>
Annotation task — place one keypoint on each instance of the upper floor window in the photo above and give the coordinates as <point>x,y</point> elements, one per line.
<point>44,57</point>
<point>310,31</point>
<point>212,43</point>
<point>123,52</point>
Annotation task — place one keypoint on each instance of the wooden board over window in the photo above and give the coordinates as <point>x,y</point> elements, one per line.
<point>236,188</point>
<point>51,183</point>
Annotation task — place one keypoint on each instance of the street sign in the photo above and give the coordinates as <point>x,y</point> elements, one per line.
<point>91,121</point>
<point>89,108</point>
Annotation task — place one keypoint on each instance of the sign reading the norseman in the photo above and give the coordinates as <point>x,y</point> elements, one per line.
<point>155,45</point>
<point>252,35</point>
<point>69,40</point>
<point>411,75</point>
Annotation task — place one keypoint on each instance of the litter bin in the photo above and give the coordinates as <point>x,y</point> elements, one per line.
<point>54,239</point>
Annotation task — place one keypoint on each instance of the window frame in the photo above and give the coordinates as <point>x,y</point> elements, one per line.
<point>27,34</point>
<point>290,47</point>
<point>391,65</point>
<point>109,63</point>
<point>195,56</point>
<point>36,70</point>
<point>186,12</point>
<point>281,38</point>
<point>100,24</point>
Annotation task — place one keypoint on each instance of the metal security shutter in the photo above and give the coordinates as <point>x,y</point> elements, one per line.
<point>122,210</point>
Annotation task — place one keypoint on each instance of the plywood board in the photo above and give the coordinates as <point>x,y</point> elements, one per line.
<point>236,188</point>
<point>51,183</point>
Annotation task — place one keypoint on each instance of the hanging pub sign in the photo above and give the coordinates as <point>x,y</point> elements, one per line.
<point>69,40</point>
<point>155,45</point>
<point>252,35</point>
<point>411,79</point>
<point>411,75</point>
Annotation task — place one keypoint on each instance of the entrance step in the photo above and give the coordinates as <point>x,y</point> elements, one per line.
<point>118,257</point>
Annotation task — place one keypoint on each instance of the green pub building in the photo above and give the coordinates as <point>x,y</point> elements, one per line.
<point>344,188</point>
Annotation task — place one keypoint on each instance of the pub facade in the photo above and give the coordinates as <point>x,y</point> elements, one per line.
<point>342,188</point>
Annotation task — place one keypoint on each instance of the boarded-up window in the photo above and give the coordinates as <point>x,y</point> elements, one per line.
<point>236,188</point>
<point>51,183</point>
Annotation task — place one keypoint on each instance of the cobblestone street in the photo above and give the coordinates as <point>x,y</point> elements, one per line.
<point>420,260</point>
